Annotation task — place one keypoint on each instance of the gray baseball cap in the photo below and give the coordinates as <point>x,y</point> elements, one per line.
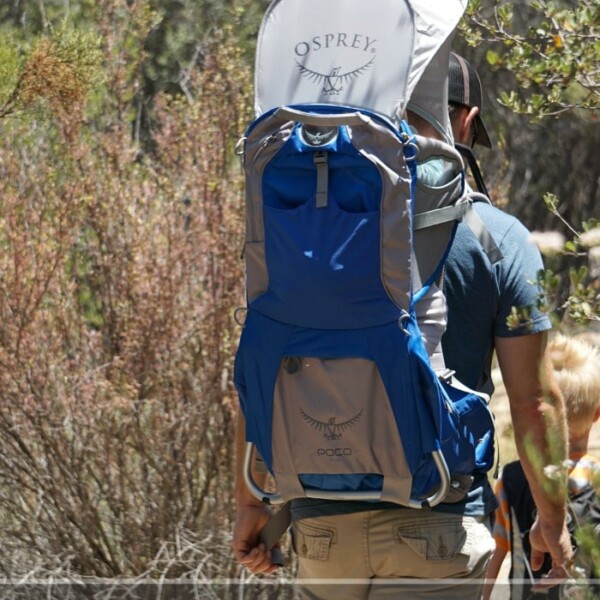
<point>464,87</point>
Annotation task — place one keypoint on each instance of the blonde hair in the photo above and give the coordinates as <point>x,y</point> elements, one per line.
<point>576,365</point>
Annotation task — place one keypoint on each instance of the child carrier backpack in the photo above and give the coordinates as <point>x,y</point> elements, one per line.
<point>339,368</point>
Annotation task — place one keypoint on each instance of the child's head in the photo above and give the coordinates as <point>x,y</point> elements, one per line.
<point>576,366</point>
<point>591,336</point>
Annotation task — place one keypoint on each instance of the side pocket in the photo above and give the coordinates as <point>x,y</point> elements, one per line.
<point>312,542</point>
<point>434,541</point>
<point>478,420</point>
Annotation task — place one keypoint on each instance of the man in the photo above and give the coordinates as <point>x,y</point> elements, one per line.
<point>374,544</point>
<point>518,351</point>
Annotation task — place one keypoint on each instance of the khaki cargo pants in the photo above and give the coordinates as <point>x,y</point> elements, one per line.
<point>392,554</point>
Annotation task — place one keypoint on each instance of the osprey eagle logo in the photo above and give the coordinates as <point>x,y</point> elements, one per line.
<point>334,81</point>
<point>331,430</point>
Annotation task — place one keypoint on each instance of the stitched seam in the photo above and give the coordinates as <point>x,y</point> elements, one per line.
<point>366,547</point>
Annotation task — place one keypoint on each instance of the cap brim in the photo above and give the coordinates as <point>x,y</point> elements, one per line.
<point>483,138</point>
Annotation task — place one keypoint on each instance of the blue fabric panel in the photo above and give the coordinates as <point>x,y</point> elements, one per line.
<point>476,426</point>
<point>289,180</point>
<point>255,372</point>
<point>453,437</point>
<point>324,343</point>
<point>324,263</point>
<point>388,347</point>
<point>335,483</point>
<point>416,404</point>
<point>417,399</point>
<point>324,269</point>
<point>264,342</point>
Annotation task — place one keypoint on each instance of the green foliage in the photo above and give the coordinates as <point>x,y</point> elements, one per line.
<point>56,74</point>
<point>11,64</point>
<point>519,318</point>
<point>582,303</point>
<point>31,18</point>
<point>550,47</point>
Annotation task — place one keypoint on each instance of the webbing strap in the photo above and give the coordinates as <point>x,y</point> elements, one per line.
<point>475,223</point>
<point>438,216</point>
<point>320,160</point>
<point>467,214</point>
<point>275,527</point>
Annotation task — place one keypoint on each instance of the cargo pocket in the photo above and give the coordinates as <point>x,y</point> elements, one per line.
<point>312,542</point>
<point>439,542</point>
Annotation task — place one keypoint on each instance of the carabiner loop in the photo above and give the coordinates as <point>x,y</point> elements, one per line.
<point>236,315</point>
<point>409,142</point>
<point>403,317</point>
<point>240,147</point>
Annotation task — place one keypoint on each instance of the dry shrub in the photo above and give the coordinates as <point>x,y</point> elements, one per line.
<point>119,274</point>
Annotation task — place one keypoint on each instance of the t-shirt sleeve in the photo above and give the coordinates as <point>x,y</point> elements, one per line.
<point>517,280</point>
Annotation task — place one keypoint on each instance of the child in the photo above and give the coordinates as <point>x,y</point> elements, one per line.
<point>576,364</point>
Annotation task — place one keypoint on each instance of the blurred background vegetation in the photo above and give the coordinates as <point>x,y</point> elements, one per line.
<point>121,231</point>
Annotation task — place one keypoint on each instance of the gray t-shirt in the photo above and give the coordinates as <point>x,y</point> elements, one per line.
<point>481,295</point>
<point>480,298</point>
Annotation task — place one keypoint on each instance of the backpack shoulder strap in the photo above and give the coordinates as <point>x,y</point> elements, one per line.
<point>463,211</point>
<point>468,155</point>
<point>473,220</point>
<point>475,223</point>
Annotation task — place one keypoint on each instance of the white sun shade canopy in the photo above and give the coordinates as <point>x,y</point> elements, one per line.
<point>373,54</point>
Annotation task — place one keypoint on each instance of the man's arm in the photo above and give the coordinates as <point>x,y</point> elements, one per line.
<point>539,425</point>
<point>251,514</point>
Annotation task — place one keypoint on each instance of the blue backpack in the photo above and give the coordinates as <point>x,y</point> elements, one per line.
<point>339,368</point>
